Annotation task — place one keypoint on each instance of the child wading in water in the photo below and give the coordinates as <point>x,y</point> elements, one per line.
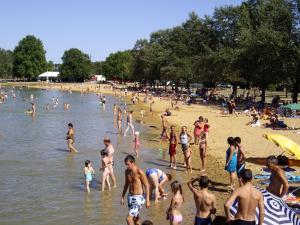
<point>88,171</point>
<point>137,143</point>
<point>173,212</point>
<point>173,139</point>
<point>105,162</point>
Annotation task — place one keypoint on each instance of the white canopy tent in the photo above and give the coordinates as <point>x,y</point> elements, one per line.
<point>49,74</point>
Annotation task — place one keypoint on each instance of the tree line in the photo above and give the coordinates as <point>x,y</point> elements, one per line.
<point>256,43</point>
<point>253,44</point>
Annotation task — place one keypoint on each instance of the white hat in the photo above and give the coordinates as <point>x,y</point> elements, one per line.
<point>137,133</point>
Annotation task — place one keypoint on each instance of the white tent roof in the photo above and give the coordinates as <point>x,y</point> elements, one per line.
<point>49,74</point>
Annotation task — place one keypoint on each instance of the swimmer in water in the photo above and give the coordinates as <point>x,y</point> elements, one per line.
<point>70,138</point>
<point>88,171</point>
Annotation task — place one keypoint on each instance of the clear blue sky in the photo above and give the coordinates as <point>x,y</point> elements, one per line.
<point>97,27</point>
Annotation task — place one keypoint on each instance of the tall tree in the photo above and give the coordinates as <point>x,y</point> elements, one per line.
<point>76,66</point>
<point>50,66</point>
<point>29,58</point>
<point>119,65</point>
<point>266,27</point>
<point>6,63</point>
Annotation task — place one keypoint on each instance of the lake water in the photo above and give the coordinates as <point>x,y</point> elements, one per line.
<point>41,183</point>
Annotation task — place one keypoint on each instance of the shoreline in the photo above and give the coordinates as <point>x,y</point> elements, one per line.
<point>221,127</point>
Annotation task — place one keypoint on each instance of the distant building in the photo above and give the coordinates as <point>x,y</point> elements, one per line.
<point>98,78</point>
<point>49,76</point>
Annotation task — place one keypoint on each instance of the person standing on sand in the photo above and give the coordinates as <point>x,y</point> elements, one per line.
<point>129,123</point>
<point>240,156</point>
<point>205,202</point>
<point>137,182</point>
<point>110,151</point>
<point>278,185</point>
<point>198,129</point>
<point>202,148</point>
<point>185,138</point>
<point>173,141</point>
<point>151,107</point>
<point>231,162</point>
<point>119,120</point>
<point>248,198</point>
<point>70,138</point>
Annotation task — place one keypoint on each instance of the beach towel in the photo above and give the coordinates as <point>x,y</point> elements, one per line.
<point>291,179</point>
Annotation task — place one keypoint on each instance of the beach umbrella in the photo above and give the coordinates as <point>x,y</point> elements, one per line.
<point>285,143</point>
<point>293,106</point>
<point>276,210</point>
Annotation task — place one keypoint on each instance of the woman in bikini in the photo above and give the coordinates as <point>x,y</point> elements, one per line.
<point>105,168</point>
<point>202,149</point>
<point>70,138</point>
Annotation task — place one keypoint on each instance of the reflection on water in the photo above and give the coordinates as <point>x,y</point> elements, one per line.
<point>41,183</point>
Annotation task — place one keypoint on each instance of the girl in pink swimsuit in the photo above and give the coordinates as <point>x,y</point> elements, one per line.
<point>173,212</point>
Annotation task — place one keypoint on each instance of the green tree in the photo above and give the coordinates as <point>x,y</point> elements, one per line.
<point>97,67</point>
<point>50,66</point>
<point>29,58</point>
<point>264,42</point>
<point>6,63</point>
<point>119,65</point>
<point>76,66</point>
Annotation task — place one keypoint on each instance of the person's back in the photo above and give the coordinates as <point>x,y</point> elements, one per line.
<point>248,200</point>
<point>204,201</point>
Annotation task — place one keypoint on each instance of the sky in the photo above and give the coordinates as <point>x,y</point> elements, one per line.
<point>96,27</point>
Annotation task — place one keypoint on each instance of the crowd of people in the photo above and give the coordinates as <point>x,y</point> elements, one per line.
<point>140,184</point>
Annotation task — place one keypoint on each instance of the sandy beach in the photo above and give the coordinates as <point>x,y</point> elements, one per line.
<point>221,127</point>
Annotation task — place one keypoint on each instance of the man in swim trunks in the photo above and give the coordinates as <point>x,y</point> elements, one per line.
<point>136,180</point>
<point>248,198</point>
<point>156,179</point>
<point>110,149</point>
<point>278,185</point>
<point>205,202</point>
